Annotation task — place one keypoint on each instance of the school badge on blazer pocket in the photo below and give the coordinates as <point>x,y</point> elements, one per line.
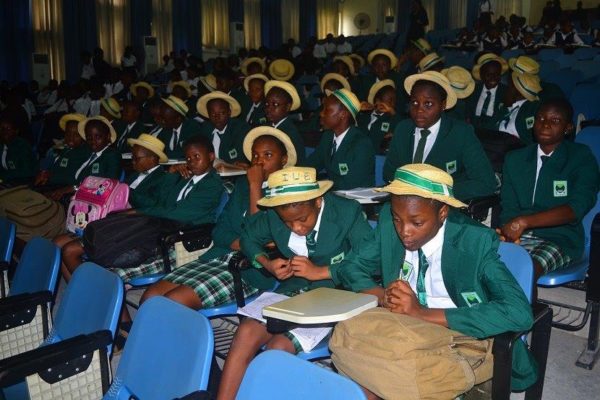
<point>406,271</point>
<point>471,298</point>
<point>337,259</point>
<point>262,120</point>
<point>343,167</point>
<point>385,127</point>
<point>232,153</point>
<point>529,122</point>
<point>451,167</point>
<point>560,188</point>
<point>95,168</point>
<point>64,162</point>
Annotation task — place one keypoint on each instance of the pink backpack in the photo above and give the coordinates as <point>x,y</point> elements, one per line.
<point>95,198</point>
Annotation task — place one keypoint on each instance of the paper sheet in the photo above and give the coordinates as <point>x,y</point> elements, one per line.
<point>361,193</point>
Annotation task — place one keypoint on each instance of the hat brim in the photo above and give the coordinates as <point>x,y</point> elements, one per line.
<point>512,63</point>
<point>115,114</point>
<point>252,60</point>
<point>348,61</point>
<point>391,56</point>
<point>162,157</point>
<point>81,127</point>
<point>402,189</point>
<point>476,71</point>
<point>332,76</point>
<point>283,78</point>
<point>282,199</point>
<point>182,112</point>
<point>257,132</point>
<point>202,104</point>
<point>134,87</point>
<point>187,88</point>
<point>377,87</point>
<point>282,85</point>
<point>521,89</point>
<point>247,80</point>
<point>62,123</point>
<point>358,58</point>
<point>451,95</point>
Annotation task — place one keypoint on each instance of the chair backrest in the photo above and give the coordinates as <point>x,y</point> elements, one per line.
<point>585,99</point>
<point>38,268</point>
<point>92,302</point>
<point>519,263</point>
<point>275,374</point>
<point>379,161</point>
<point>222,203</point>
<point>167,355</point>
<point>7,239</point>
<point>308,151</point>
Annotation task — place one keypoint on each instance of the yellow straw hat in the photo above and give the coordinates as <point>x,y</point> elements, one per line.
<point>186,86</point>
<point>209,82</point>
<point>348,61</point>
<point>377,87</point>
<point>332,76</point>
<point>527,84</point>
<point>281,70</point>
<point>524,64</point>
<point>358,58</point>
<point>348,100</point>
<point>81,127</point>
<point>423,45</point>
<point>112,106</point>
<point>425,181</point>
<point>202,104</point>
<point>289,88</point>
<point>177,104</point>
<point>251,60</point>
<point>62,122</point>
<point>151,143</point>
<point>383,52</point>
<point>436,77</point>
<point>429,61</point>
<point>293,185</point>
<point>134,87</point>
<point>487,58</point>
<point>255,76</point>
<point>460,80</point>
<point>259,131</point>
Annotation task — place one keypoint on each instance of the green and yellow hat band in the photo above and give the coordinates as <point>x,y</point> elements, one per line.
<point>346,101</point>
<point>423,183</point>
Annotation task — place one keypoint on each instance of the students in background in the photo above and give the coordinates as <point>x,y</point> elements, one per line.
<point>378,118</point>
<point>489,93</point>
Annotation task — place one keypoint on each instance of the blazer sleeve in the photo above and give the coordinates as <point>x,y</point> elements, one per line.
<point>585,185</point>
<point>255,235</point>
<point>480,179</point>
<point>112,165</point>
<point>393,159</point>
<point>508,192</point>
<point>362,165</point>
<point>228,223</point>
<point>316,159</point>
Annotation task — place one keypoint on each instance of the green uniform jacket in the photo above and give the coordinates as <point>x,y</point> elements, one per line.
<point>353,164</point>
<point>62,172</point>
<point>569,177</point>
<point>20,162</point>
<point>524,122</point>
<point>384,124</point>
<point>199,205</point>
<point>369,80</point>
<point>108,165</point>
<point>289,127</point>
<point>456,150</point>
<point>470,263</point>
<point>459,111</point>
<point>231,147</point>
<point>135,131</point>
<point>189,129</point>
<point>146,194</point>
<point>257,118</point>
<point>484,120</point>
<point>343,227</point>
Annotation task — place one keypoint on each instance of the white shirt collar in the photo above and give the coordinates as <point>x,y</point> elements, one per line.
<point>339,138</point>
<point>541,153</point>
<point>99,153</point>
<point>131,125</point>
<point>492,90</point>
<point>198,178</point>
<point>220,132</point>
<point>434,244</point>
<point>151,170</point>
<point>318,224</point>
<point>517,104</point>
<point>279,123</point>
<point>178,129</point>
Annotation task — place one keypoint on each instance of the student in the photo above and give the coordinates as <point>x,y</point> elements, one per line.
<point>344,66</point>
<point>281,99</point>
<point>463,85</point>
<point>252,66</point>
<point>254,114</point>
<point>489,92</point>
<point>382,62</point>
<point>192,284</point>
<point>431,62</point>
<point>176,127</point>
<point>428,261</point>
<point>529,65</point>
<point>227,82</point>
<point>344,152</point>
<point>221,127</point>
<point>379,124</point>
<point>143,96</point>
<point>110,109</point>
<point>493,41</point>
<point>17,163</point>
<point>129,126</point>
<point>432,137</point>
<point>566,36</point>
<point>547,189</point>
<point>412,56</point>
<point>312,230</point>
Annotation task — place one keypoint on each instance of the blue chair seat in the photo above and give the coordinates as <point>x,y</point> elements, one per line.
<point>575,272</point>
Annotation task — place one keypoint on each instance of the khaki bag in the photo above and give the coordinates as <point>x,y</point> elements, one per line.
<point>399,357</point>
<point>33,213</point>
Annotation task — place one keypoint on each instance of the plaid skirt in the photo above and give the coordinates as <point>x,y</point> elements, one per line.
<point>153,265</point>
<point>544,252</point>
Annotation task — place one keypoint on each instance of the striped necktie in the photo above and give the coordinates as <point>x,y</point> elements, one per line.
<point>421,292</point>
<point>420,152</point>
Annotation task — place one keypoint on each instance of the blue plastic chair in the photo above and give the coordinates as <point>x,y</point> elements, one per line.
<point>275,374</point>
<point>588,68</point>
<point>585,99</point>
<point>167,355</point>
<point>586,53</point>
<point>550,54</point>
<point>308,151</point>
<point>519,263</point>
<point>7,241</point>
<point>37,269</point>
<point>379,161</point>
<point>565,79</point>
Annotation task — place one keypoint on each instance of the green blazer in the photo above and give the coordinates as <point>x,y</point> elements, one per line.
<point>524,122</point>
<point>353,164</point>
<point>108,165</point>
<point>368,80</point>
<point>289,127</point>
<point>257,118</point>
<point>146,194</point>
<point>198,207</point>
<point>471,107</point>
<point>62,172</point>
<point>231,148</point>
<point>459,111</point>
<point>20,162</point>
<point>573,166</point>
<point>189,128</point>
<point>456,151</point>
<point>133,133</point>
<point>384,124</point>
<point>470,263</point>
<point>343,226</point>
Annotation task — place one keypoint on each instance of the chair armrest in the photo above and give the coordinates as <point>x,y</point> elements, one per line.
<point>15,369</point>
<point>16,310</point>
<point>193,238</point>
<point>478,207</point>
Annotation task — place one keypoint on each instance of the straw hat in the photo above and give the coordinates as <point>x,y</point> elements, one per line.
<point>436,77</point>
<point>423,180</point>
<point>527,84</point>
<point>259,131</point>
<point>289,88</point>
<point>81,127</point>
<point>348,61</point>
<point>332,76</point>
<point>251,60</point>
<point>429,61</point>
<point>209,82</point>
<point>422,45</point>
<point>357,57</point>
<point>134,87</point>
<point>151,143</point>
<point>62,122</point>
<point>281,70</point>
<point>177,104</point>
<point>486,58</point>
<point>293,185</point>
<point>384,52</point>
<point>377,87</point>
<point>202,104</point>
<point>112,106</point>
<point>186,86</point>
<point>348,100</point>
<point>524,64</point>
<point>460,80</point>
<point>255,76</point>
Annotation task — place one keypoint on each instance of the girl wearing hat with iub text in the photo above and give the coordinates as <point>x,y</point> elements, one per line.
<point>431,262</point>
<point>434,138</point>
<point>312,230</point>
